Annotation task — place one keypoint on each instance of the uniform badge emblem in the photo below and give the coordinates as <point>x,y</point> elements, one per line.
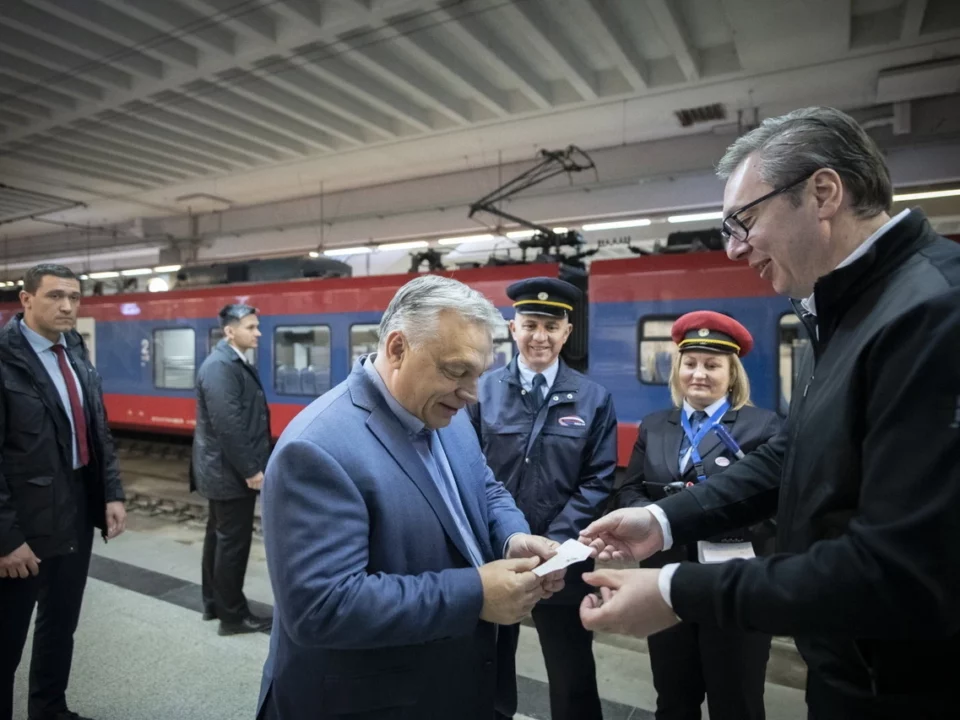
<point>722,461</point>
<point>703,332</point>
<point>571,421</point>
<point>542,296</point>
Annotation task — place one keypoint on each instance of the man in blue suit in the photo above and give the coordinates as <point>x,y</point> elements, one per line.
<point>393,552</point>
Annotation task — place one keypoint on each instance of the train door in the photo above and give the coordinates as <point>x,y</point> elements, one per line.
<point>86,326</point>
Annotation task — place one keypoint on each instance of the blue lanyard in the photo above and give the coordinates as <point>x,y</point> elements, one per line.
<point>711,423</point>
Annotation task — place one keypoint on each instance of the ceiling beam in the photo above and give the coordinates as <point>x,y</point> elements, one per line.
<point>172,18</point>
<point>67,64</point>
<point>16,89</point>
<point>913,13</point>
<point>371,90</point>
<point>629,62</point>
<point>297,11</point>
<point>319,105</point>
<point>377,60</point>
<point>470,32</point>
<point>434,57</point>
<point>244,19</point>
<point>122,29</point>
<point>305,94</point>
<point>138,152</point>
<point>87,168</point>
<point>141,127</point>
<point>543,34</point>
<point>673,29</point>
<point>125,160</point>
<point>66,35</point>
<point>123,141</point>
<point>317,128</point>
<point>33,73</point>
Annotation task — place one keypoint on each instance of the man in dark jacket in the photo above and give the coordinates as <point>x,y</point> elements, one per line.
<point>550,436</point>
<point>58,480</point>
<point>865,481</point>
<point>231,446</point>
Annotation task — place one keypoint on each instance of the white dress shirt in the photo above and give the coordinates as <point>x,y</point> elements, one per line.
<point>527,375</point>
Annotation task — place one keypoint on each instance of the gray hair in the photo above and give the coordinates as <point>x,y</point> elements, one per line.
<point>415,307</point>
<point>799,143</point>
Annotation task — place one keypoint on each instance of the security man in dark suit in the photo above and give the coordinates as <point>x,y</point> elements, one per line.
<point>550,436</point>
<point>711,396</point>
<point>231,446</point>
<point>58,480</point>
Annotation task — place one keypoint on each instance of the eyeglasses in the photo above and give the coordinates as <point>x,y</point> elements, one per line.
<point>734,229</point>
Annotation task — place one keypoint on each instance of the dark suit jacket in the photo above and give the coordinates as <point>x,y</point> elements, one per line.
<point>377,609</point>
<point>232,439</point>
<point>654,464</point>
<point>36,449</point>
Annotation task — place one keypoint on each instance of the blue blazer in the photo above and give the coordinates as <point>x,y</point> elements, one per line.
<point>376,605</point>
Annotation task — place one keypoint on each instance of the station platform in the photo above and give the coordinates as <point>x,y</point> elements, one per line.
<point>142,651</point>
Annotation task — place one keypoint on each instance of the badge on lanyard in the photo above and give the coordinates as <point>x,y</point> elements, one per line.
<point>711,423</point>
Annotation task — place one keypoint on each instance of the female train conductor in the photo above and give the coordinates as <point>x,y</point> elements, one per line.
<point>711,426</point>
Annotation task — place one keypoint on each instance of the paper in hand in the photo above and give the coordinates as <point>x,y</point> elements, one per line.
<point>572,551</point>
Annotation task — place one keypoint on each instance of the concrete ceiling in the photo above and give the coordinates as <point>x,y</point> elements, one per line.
<point>115,114</point>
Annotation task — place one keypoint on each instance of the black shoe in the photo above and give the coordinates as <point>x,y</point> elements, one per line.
<point>210,614</point>
<point>66,715</point>
<point>249,624</point>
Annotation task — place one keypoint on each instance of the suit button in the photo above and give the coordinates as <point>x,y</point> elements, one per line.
<point>527,460</point>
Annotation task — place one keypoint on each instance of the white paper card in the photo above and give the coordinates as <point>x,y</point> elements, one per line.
<point>572,551</point>
<point>710,552</point>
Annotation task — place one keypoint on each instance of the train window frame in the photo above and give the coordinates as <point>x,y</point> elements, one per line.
<point>153,355</point>
<point>778,378</point>
<point>664,317</point>
<point>350,336</point>
<point>252,355</point>
<point>274,366</point>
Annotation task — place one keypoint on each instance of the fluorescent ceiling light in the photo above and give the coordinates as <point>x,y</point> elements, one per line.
<point>561,230</point>
<point>464,239</point>
<point>615,225</point>
<point>314,254</point>
<point>926,195</point>
<point>19,282</point>
<point>520,234</point>
<point>359,250</point>
<point>137,271</point>
<point>166,268</point>
<point>84,277</point>
<point>406,245</point>
<point>103,275</point>
<point>157,285</point>
<point>695,217</point>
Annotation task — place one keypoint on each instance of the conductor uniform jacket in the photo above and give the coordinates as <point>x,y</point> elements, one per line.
<point>559,464</point>
<point>232,439</point>
<point>654,464</point>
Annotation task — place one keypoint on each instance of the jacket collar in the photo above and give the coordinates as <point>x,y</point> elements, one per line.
<point>567,380</point>
<point>395,438</point>
<point>837,291</point>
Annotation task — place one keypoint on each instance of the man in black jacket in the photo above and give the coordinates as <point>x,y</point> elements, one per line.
<point>865,481</point>
<point>58,480</point>
<point>231,445</point>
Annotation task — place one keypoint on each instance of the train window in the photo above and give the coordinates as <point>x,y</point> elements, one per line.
<point>363,341</point>
<point>174,358</point>
<point>503,348</point>
<point>216,335</point>
<point>655,350</point>
<point>301,356</point>
<point>793,340</point>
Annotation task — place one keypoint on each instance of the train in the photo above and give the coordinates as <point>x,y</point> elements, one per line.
<point>148,346</point>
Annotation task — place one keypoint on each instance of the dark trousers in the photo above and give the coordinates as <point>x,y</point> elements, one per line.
<point>729,667</point>
<point>226,550</point>
<point>568,655</point>
<point>57,592</point>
